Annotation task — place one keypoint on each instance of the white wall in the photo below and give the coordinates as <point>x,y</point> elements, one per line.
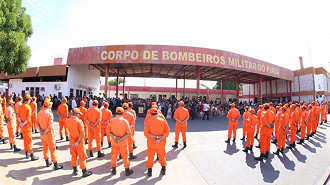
<point>82,78</point>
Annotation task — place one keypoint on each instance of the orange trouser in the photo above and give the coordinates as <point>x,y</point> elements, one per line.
<point>48,143</point>
<point>258,126</point>
<point>232,127</point>
<point>63,124</point>
<point>80,152</point>
<point>293,133</point>
<point>250,137</point>
<point>96,132</point>
<point>180,128</point>
<point>151,154</point>
<point>11,133</point>
<point>326,115</point>
<point>322,117</point>
<point>281,139</point>
<point>130,144</point>
<point>27,137</point>
<point>85,129</point>
<point>124,154</point>
<point>303,131</point>
<point>276,128</point>
<point>314,125</point>
<point>17,124</point>
<point>103,131</point>
<point>245,129</point>
<point>34,122</point>
<point>264,142</point>
<point>309,128</point>
<point>1,128</point>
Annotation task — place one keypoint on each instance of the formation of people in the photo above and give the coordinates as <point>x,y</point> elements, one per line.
<point>284,122</point>
<point>81,126</point>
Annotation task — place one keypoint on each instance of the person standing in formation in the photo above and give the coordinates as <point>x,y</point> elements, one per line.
<point>9,117</point>
<point>261,108</point>
<point>130,118</point>
<point>131,110</point>
<point>277,123</point>
<point>294,118</point>
<point>119,130</point>
<point>246,116</point>
<point>63,112</point>
<point>81,116</point>
<point>16,108</point>
<point>233,116</point>
<point>156,131</point>
<point>251,127</point>
<point>2,137</point>
<point>181,116</point>
<point>303,124</point>
<point>106,117</point>
<point>34,109</point>
<point>45,123</point>
<point>77,147</point>
<point>282,130</point>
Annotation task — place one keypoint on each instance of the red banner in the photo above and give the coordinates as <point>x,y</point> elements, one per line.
<point>182,55</point>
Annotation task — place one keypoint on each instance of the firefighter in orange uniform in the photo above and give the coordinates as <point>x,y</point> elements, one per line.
<point>77,147</point>
<point>245,122</point>
<point>4,103</point>
<point>261,108</point>
<point>233,116</point>
<point>282,132</point>
<point>181,115</point>
<point>277,123</point>
<point>326,112</point>
<point>310,121</point>
<point>9,118</point>
<point>322,112</point>
<point>81,116</point>
<point>63,113</point>
<point>45,123</point>
<point>26,127</point>
<point>267,123</point>
<point>93,119</point>
<point>119,130</point>
<point>315,118</point>
<point>130,118</point>
<point>303,124</point>
<point>34,109</point>
<point>156,131</point>
<point>2,137</point>
<point>16,108</point>
<point>294,118</point>
<point>251,127</point>
<point>106,116</point>
<point>131,110</point>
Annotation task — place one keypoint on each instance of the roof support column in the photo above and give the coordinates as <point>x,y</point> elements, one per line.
<point>254,92</point>
<point>249,94</point>
<point>260,86</point>
<point>208,94</point>
<point>271,91</point>
<point>198,78</point>
<point>176,88</point>
<point>237,89</point>
<point>106,81</point>
<point>184,84</point>
<point>222,98</point>
<point>290,90</point>
<point>117,83</point>
<point>124,88</point>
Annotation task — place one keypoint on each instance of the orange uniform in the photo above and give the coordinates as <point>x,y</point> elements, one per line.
<point>132,129</point>
<point>45,122</point>
<point>284,121</point>
<point>326,112</point>
<point>63,112</point>
<point>267,119</point>
<point>119,127</point>
<point>233,113</point>
<point>105,120</point>
<point>251,127</point>
<point>76,129</point>
<point>294,118</point>
<point>310,121</point>
<point>9,114</point>
<point>315,118</point>
<point>259,120</point>
<point>81,116</point>
<point>323,112</point>
<point>16,108</point>
<point>1,124</point>
<point>181,114</point>
<point>34,109</point>
<point>318,113</point>
<point>130,118</point>
<point>246,116</point>
<point>93,118</point>
<point>277,123</point>
<point>156,126</point>
<point>25,115</point>
<point>303,123</point>
<point>4,104</point>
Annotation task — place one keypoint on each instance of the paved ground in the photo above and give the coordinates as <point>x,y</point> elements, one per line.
<point>206,160</point>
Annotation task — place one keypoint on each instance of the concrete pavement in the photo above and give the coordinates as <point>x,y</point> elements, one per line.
<point>206,160</point>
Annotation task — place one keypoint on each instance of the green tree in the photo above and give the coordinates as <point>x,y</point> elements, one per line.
<point>113,82</point>
<point>227,86</point>
<point>15,29</point>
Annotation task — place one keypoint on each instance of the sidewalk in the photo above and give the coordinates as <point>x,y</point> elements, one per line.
<point>206,160</point>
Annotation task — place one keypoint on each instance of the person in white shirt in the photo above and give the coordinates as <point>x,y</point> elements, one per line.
<point>206,110</point>
<point>73,103</point>
<point>90,102</point>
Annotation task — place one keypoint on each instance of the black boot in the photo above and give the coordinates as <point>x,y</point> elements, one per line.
<point>175,145</point>
<point>57,167</point>
<point>228,140</point>
<point>246,149</point>
<point>62,137</point>
<point>4,141</point>
<point>277,152</point>
<point>259,158</point>
<point>256,136</point>
<point>91,153</point>
<point>275,141</point>
<point>86,173</point>
<point>33,157</point>
<point>114,171</point>
<point>307,138</point>
<point>17,134</point>
<point>289,147</point>
<point>250,148</point>
<point>294,145</point>
<point>243,138</point>
<point>36,131</point>
<point>163,170</point>
<point>266,155</point>
<point>101,143</point>
<point>27,155</point>
<point>131,156</point>
<point>301,141</point>
<point>75,171</point>
<point>48,163</point>
<point>99,154</point>
<point>109,145</point>
<point>120,156</point>
<point>134,146</point>
<point>86,141</point>
<point>149,172</point>
<point>67,138</point>
<point>16,149</point>
<point>128,172</point>
<point>282,150</point>
<point>234,140</point>
<point>0,139</point>
<point>11,146</point>
<point>258,146</point>
<point>184,144</point>
<point>21,135</point>
<point>325,121</point>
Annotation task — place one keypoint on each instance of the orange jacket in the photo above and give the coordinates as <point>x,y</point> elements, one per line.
<point>294,118</point>
<point>284,121</point>
<point>159,112</point>
<point>63,110</point>
<point>233,113</point>
<point>17,106</point>
<point>83,111</point>
<point>149,116</point>
<point>253,120</point>
<point>267,118</point>
<point>129,117</point>
<point>76,128</point>
<point>45,120</point>
<point>25,114</point>
<point>303,118</point>
<point>158,127</point>
<point>119,126</point>
<point>93,115</point>
<point>106,116</point>
<point>33,106</point>
<point>272,109</point>
<point>246,116</point>
<point>9,114</point>
<point>133,112</point>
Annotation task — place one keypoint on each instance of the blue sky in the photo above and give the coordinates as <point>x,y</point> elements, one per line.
<point>274,31</point>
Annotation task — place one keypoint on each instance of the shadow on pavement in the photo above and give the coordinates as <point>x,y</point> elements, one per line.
<point>231,149</point>
<point>22,174</point>
<point>300,157</point>
<point>58,180</point>
<point>312,150</point>
<point>288,164</point>
<point>268,172</point>
<point>173,154</point>
<point>250,161</point>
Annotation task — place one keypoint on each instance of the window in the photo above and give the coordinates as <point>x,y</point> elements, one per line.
<point>77,92</point>
<point>60,95</point>
<point>27,88</point>
<point>42,88</point>
<point>71,92</point>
